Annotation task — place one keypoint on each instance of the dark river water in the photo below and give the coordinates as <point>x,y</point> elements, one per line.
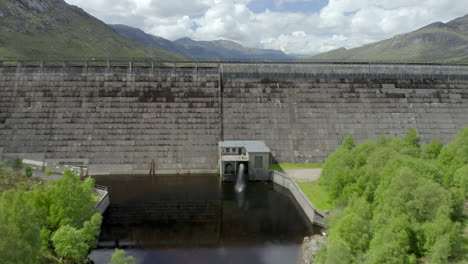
<point>196,219</point>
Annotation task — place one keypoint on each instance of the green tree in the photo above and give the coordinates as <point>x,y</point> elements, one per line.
<point>91,230</point>
<point>411,138</point>
<point>348,142</point>
<point>391,244</point>
<point>441,237</point>
<point>432,150</point>
<point>353,228</point>
<point>395,201</point>
<point>411,145</point>
<point>454,156</point>
<point>28,170</point>
<point>70,201</point>
<point>17,164</point>
<point>338,252</point>
<point>460,179</point>
<point>70,244</point>
<point>119,257</point>
<point>20,240</point>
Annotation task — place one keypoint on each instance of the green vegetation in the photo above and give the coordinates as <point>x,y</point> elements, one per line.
<point>49,220</point>
<point>437,42</point>
<point>119,257</point>
<point>17,164</point>
<point>317,194</point>
<point>49,172</point>
<point>15,179</point>
<point>56,30</point>
<point>296,166</point>
<point>28,171</point>
<point>396,201</point>
<point>19,228</point>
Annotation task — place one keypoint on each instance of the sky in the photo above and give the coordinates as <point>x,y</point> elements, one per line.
<point>304,27</point>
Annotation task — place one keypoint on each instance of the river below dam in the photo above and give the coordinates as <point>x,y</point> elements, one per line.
<point>196,219</point>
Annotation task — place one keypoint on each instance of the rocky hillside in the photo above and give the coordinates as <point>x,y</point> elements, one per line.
<point>437,42</point>
<point>204,50</point>
<point>49,29</point>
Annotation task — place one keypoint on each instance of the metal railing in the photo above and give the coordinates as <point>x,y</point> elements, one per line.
<point>200,63</point>
<point>100,187</point>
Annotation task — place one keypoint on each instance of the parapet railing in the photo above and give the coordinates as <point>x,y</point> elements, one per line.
<point>192,63</point>
<point>100,187</point>
<point>306,205</point>
<point>104,201</point>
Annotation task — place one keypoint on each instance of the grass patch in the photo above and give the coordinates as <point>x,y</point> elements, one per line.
<point>317,194</point>
<point>296,166</point>
<point>14,179</point>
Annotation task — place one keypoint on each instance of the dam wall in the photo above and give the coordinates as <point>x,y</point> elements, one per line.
<point>117,119</point>
<point>303,111</point>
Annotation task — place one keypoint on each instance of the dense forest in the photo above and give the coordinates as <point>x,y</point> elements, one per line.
<point>396,201</point>
<point>54,222</point>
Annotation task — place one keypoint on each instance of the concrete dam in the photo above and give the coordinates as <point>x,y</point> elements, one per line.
<point>117,118</point>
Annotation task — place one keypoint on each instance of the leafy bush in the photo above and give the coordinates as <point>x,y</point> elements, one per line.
<point>28,170</point>
<point>70,244</point>
<point>19,228</point>
<point>49,172</point>
<point>17,164</point>
<point>119,257</point>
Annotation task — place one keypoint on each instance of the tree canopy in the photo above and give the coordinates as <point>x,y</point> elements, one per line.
<point>58,218</point>
<point>396,200</point>
<point>20,225</point>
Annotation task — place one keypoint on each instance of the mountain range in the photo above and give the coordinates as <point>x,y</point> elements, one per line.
<point>53,29</point>
<point>438,42</point>
<point>204,50</point>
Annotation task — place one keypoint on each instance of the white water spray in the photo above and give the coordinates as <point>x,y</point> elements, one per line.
<point>240,182</point>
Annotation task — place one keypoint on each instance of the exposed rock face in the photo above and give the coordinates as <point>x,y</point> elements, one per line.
<point>40,6</point>
<point>310,247</point>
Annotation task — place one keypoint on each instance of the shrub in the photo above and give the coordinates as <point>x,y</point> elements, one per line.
<point>17,164</point>
<point>70,244</point>
<point>119,257</point>
<point>28,170</point>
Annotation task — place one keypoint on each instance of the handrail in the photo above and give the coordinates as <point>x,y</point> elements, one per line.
<point>87,62</point>
<point>100,187</point>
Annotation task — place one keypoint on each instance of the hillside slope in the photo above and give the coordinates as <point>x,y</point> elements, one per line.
<point>437,42</point>
<point>53,29</point>
<point>204,50</point>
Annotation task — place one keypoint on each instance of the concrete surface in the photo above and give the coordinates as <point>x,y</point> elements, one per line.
<point>304,175</point>
<point>288,183</point>
<point>123,117</point>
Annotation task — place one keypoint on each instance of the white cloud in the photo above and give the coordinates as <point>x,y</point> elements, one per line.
<point>341,23</point>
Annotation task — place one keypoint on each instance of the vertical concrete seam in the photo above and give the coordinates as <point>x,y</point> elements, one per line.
<point>220,100</point>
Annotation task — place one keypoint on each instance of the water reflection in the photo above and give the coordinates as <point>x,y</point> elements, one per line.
<point>195,219</point>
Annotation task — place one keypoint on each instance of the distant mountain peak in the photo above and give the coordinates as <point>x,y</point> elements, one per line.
<point>53,29</point>
<point>185,40</point>
<point>436,42</point>
<point>220,49</point>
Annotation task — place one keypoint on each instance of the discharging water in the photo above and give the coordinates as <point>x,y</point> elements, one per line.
<point>196,219</point>
<point>240,181</point>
